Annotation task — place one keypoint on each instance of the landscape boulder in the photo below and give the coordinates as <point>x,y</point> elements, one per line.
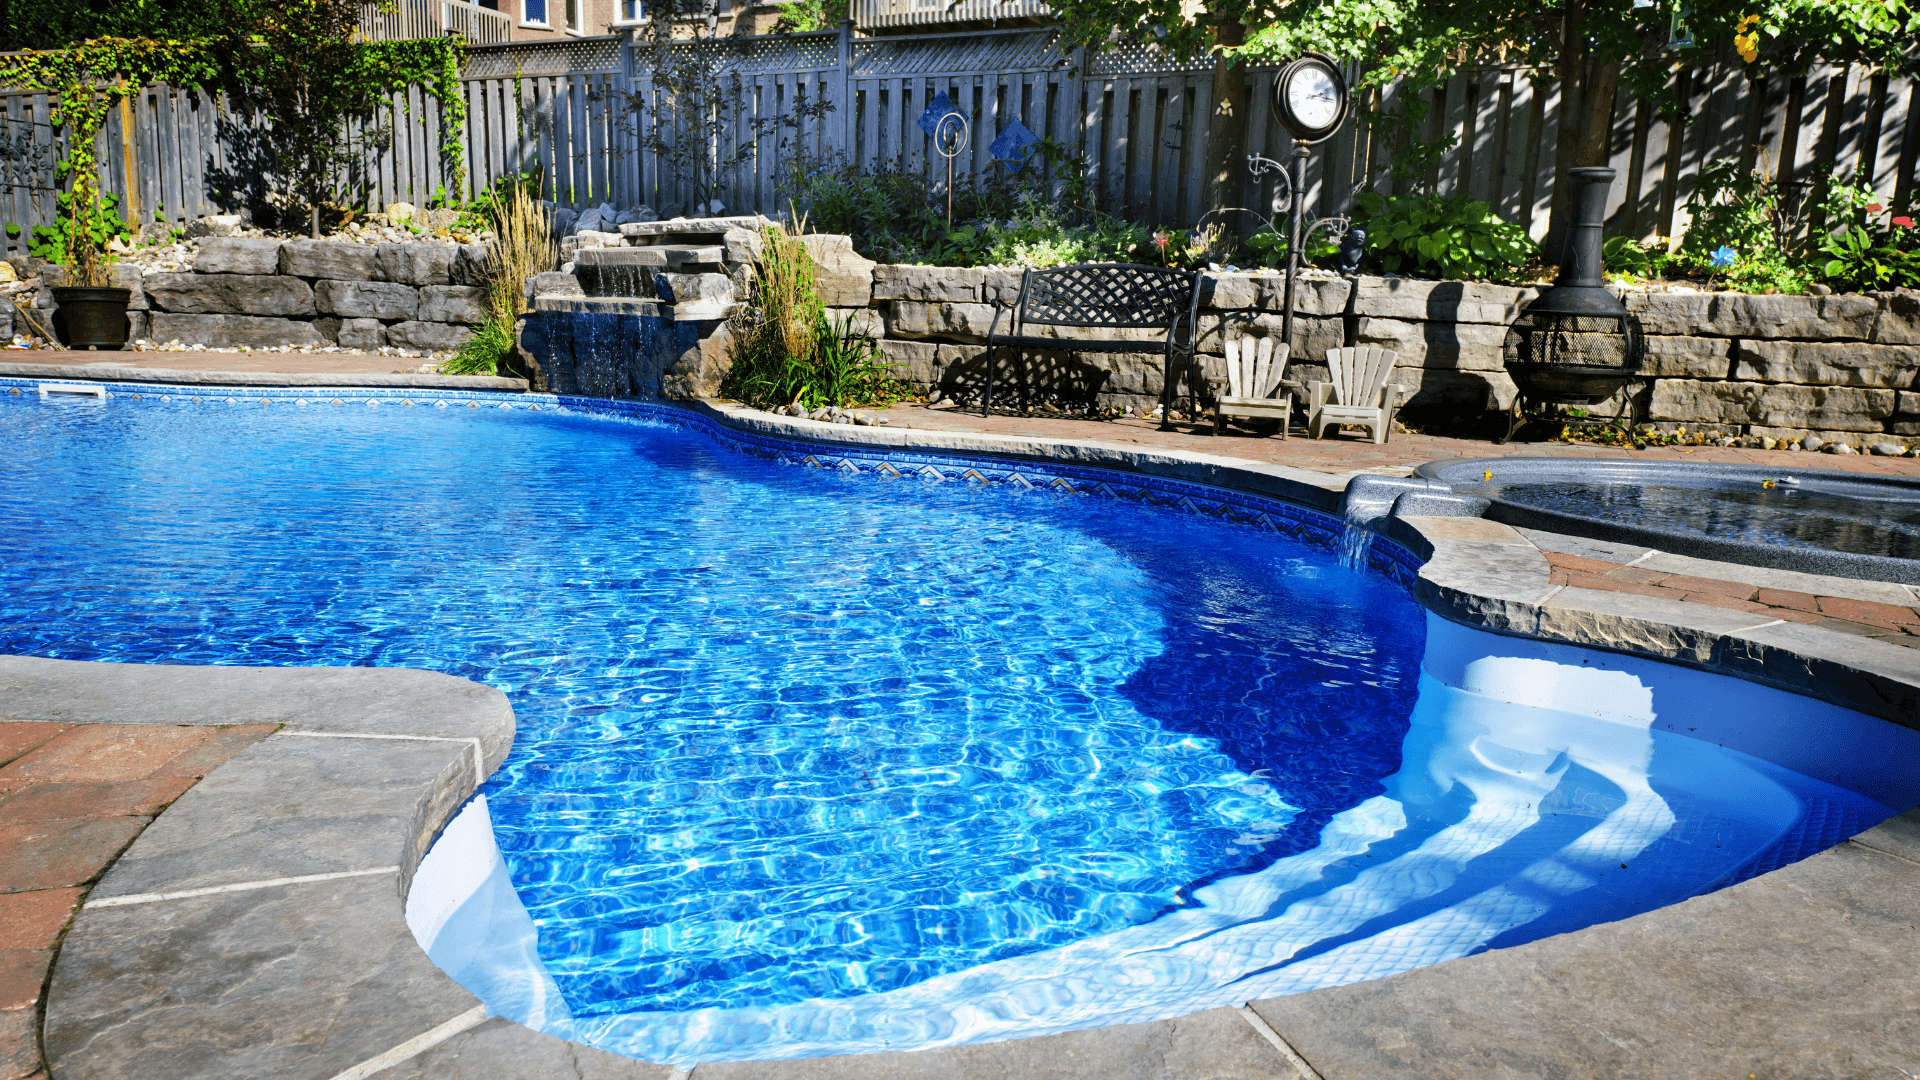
<point>431,336</point>
<point>366,299</point>
<point>228,294</point>
<point>415,264</point>
<point>228,331</point>
<point>336,259</point>
<point>453,304</point>
<point>842,277</point>
<point>237,255</point>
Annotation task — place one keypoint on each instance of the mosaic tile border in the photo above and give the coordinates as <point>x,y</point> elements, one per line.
<point>1267,513</point>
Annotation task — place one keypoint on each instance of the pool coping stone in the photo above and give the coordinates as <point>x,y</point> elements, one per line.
<point>109,372</point>
<point>304,996</point>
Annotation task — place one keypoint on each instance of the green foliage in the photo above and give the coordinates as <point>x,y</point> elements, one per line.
<point>481,213</point>
<point>1623,256</point>
<point>1872,248</point>
<point>785,350</point>
<point>484,353</point>
<point>801,16</point>
<point>1433,236</point>
<point>55,242</point>
<point>1036,217</point>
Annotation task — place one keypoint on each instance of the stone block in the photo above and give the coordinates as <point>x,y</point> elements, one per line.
<point>914,361</point>
<point>743,245</point>
<point>554,283</point>
<point>366,299</point>
<point>865,320</point>
<point>239,294</point>
<point>237,255</point>
<point>366,334</point>
<point>1908,403</point>
<point>919,319</point>
<point>1898,322</point>
<point>701,366</point>
<point>696,296</point>
<point>336,259</point>
<point>902,282</point>
<point>432,336</point>
<point>1445,345</point>
<point>415,264</point>
<point>453,304</point>
<point>228,331</point>
<point>1312,337</point>
<point>1268,292</point>
<point>596,238</point>
<point>842,277</point>
<point>469,265</point>
<point>1686,358</point>
<point>1818,318</point>
<point>213,225</point>
<point>1781,405</point>
<point>1439,301</point>
<point>1002,287</point>
<point>1455,391</point>
<point>133,279</point>
<point>1828,363</point>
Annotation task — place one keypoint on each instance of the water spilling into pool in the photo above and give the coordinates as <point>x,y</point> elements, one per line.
<point>813,763</point>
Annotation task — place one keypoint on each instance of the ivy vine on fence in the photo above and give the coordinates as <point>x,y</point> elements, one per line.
<point>86,82</point>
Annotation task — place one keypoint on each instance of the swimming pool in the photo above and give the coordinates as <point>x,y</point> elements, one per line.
<point>812,763</point>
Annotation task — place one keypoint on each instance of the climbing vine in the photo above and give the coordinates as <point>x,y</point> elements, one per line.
<point>86,82</point>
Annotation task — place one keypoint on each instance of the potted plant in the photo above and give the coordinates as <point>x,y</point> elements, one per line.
<point>92,311</point>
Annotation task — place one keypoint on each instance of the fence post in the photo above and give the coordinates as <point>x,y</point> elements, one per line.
<point>843,89</point>
<point>127,163</point>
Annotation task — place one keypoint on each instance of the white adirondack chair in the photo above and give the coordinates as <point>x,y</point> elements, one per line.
<point>1255,366</point>
<point>1359,394</point>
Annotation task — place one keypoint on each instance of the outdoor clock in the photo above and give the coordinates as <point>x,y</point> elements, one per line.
<point>1312,97</point>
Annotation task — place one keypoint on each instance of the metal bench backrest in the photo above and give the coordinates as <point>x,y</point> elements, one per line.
<point>1107,294</point>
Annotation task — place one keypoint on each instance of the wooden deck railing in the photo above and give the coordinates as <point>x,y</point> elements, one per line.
<point>433,18</point>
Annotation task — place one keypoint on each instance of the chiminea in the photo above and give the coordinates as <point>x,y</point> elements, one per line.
<point>1577,343</point>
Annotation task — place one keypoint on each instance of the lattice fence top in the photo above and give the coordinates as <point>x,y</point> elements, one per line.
<point>792,52</point>
<point>1132,59</point>
<point>1108,295</point>
<point>578,56</point>
<point>1032,50</point>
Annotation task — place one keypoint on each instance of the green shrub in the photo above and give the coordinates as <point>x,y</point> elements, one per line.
<point>785,351</point>
<point>1872,248</point>
<point>484,353</point>
<point>1434,236</point>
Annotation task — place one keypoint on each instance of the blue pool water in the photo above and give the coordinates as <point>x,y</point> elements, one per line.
<point>793,742</point>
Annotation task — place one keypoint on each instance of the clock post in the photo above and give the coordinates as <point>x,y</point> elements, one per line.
<point>1310,96</point>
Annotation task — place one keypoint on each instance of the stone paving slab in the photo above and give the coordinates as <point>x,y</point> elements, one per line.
<point>294,982</point>
<point>289,806</point>
<point>501,1050</point>
<point>1218,1044</point>
<point>1805,973</point>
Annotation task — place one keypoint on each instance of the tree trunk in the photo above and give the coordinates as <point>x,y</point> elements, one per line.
<point>1227,129</point>
<point>1587,88</point>
<point>313,217</point>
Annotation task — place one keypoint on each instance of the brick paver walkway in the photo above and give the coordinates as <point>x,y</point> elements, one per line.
<point>1351,452</point>
<point>72,797</point>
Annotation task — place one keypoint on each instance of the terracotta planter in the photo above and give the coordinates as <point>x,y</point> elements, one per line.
<point>93,318</point>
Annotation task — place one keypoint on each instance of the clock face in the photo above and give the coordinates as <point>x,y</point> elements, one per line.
<point>1313,97</point>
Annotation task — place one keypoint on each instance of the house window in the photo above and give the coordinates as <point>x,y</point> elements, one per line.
<point>574,21</point>
<point>632,11</point>
<point>533,12</point>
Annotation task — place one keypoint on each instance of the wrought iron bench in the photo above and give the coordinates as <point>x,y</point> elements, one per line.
<point>1100,296</point>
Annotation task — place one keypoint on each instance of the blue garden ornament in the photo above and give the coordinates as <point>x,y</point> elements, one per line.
<point>937,109</point>
<point>1015,146</point>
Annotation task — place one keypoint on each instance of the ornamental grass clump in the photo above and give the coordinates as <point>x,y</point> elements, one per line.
<point>522,246</point>
<point>785,349</point>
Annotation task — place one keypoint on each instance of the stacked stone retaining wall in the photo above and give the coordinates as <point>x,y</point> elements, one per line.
<point>264,292</point>
<point>1844,367</point>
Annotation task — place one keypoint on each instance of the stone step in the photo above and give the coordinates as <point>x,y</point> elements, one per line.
<point>695,226</point>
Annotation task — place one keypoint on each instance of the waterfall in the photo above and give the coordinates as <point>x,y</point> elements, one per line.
<point>1354,543</point>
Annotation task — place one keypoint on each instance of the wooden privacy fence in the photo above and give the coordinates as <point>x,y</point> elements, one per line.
<point>575,110</point>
